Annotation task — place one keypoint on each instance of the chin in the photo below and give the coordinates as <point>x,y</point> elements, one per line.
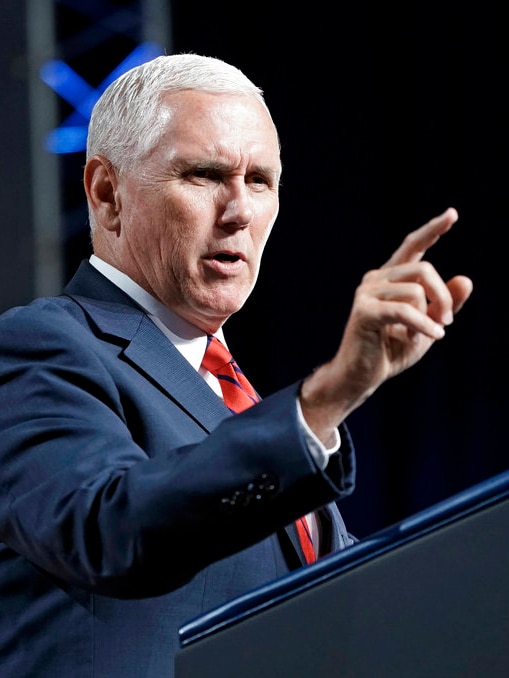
<point>221,311</point>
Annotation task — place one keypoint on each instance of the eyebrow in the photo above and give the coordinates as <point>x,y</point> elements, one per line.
<point>220,166</point>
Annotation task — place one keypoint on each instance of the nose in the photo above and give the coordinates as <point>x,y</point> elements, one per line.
<point>237,208</point>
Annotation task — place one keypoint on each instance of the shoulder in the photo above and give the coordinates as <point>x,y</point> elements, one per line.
<point>41,319</point>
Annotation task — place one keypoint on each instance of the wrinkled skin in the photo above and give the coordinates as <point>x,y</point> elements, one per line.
<point>189,224</point>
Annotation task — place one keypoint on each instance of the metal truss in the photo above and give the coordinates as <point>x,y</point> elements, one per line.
<point>77,47</point>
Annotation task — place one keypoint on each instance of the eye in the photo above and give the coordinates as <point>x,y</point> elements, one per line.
<point>206,174</point>
<point>258,181</point>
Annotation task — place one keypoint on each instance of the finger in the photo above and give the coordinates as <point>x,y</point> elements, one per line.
<point>460,288</point>
<point>399,317</point>
<point>418,283</point>
<point>405,291</point>
<point>416,243</point>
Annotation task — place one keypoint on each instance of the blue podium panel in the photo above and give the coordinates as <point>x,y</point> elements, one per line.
<point>427,598</point>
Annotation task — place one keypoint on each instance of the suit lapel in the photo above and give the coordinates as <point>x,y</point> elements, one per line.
<point>150,351</point>
<point>334,535</point>
<point>291,531</point>
<point>115,315</point>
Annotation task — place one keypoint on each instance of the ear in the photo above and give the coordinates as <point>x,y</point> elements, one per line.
<point>101,184</point>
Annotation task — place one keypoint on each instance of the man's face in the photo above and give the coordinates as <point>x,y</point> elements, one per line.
<point>195,214</point>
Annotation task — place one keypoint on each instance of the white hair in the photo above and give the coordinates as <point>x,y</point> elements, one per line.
<point>126,122</point>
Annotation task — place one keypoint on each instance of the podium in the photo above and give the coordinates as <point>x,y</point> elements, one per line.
<point>425,598</point>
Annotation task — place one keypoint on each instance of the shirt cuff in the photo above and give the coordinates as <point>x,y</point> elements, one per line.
<point>317,449</point>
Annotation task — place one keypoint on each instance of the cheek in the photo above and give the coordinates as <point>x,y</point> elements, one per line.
<point>179,251</point>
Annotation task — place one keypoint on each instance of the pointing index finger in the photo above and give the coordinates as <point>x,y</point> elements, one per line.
<point>416,243</point>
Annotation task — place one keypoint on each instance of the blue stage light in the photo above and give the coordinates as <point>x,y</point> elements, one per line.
<point>70,136</point>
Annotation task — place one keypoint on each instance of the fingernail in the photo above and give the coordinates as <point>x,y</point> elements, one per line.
<point>448,318</point>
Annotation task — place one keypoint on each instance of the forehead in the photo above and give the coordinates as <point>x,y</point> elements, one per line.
<point>236,123</point>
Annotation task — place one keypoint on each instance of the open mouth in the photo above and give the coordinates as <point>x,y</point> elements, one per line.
<point>224,256</point>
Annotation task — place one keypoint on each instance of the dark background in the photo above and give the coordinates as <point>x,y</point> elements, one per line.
<point>387,117</point>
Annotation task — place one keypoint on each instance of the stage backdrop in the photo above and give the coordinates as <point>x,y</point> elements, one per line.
<point>386,118</point>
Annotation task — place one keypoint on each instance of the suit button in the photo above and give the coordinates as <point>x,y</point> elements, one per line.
<point>257,490</point>
<point>267,484</point>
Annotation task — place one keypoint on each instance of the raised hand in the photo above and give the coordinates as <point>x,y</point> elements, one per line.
<point>398,312</point>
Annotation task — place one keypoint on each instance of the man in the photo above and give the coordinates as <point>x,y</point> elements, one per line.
<point>131,500</point>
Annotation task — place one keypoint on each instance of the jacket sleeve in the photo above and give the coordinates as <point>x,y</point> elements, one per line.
<point>82,499</point>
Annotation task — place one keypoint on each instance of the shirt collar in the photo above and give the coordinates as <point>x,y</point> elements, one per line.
<point>187,338</point>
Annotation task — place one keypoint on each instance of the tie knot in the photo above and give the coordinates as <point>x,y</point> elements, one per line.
<point>216,355</point>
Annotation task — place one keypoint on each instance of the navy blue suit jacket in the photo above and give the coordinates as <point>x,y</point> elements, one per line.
<point>131,501</point>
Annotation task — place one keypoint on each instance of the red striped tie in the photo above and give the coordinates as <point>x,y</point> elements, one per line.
<point>238,395</point>
<point>306,542</point>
